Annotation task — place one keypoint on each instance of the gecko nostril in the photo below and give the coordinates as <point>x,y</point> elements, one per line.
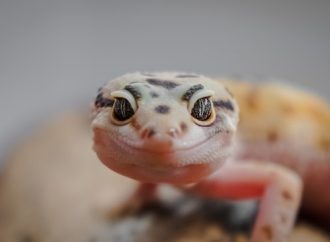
<point>148,133</point>
<point>173,132</point>
<point>152,132</point>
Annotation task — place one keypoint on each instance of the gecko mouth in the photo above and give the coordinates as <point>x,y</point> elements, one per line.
<point>175,164</point>
<point>207,151</point>
<point>165,147</point>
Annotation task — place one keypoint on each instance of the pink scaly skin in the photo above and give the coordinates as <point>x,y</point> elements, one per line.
<point>184,129</point>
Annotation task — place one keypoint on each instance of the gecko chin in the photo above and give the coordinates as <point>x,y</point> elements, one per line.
<point>182,166</point>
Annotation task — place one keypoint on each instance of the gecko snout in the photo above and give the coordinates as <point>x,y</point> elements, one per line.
<point>168,132</point>
<point>160,138</point>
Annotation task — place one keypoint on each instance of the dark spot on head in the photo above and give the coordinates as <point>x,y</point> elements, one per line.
<point>286,195</point>
<point>183,126</point>
<point>162,109</point>
<point>267,230</point>
<point>100,101</point>
<point>134,91</point>
<point>272,136</point>
<point>107,102</point>
<point>162,83</point>
<point>224,104</point>
<point>187,76</point>
<point>154,94</point>
<point>188,94</point>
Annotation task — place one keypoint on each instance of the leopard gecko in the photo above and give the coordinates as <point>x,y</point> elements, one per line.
<point>219,139</point>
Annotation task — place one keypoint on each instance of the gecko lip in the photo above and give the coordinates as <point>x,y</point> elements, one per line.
<point>168,147</point>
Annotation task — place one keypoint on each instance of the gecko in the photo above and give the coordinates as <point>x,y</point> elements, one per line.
<point>219,138</point>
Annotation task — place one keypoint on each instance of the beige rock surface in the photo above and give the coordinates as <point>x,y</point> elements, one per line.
<point>53,188</point>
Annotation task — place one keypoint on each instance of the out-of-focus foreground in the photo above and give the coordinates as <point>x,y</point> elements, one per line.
<point>54,189</point>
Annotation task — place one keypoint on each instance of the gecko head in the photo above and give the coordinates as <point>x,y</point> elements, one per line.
<point>164,127</point>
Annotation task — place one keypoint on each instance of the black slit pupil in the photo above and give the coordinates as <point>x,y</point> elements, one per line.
<point>202,109</point>
<point>122,109</point>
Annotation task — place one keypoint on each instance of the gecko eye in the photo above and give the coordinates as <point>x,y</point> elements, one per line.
<point>201,108</point>
<point>124,107</point>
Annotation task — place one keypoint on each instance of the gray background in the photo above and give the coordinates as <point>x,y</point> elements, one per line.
<point>55,54</point>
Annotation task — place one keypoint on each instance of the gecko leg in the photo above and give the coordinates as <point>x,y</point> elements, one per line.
<point>278,189</point>
<point>144,194</point>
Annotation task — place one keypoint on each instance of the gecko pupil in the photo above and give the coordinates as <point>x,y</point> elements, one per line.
<point>122,109</point>
<point>202,109</point>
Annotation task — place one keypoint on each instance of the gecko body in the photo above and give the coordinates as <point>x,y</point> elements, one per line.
<point>222,138</point>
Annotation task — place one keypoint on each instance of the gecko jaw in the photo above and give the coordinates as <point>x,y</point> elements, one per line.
<point>174,166</point>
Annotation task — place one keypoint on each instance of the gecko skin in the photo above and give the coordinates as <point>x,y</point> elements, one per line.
<point>224,139</point>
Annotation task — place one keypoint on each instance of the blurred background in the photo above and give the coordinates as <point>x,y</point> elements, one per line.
<point>55,54</point>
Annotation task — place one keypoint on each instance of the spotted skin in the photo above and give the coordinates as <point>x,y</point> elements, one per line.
<point>134,91</point>
<point>154,94</point>
<point>162,109</point>
<point>101,102</point>
<point>224,104</point>
<point>264,141</point>
<point>163,83</point>
<point>190,92</point>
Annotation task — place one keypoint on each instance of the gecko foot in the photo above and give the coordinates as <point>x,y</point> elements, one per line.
<point>143,199</point>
